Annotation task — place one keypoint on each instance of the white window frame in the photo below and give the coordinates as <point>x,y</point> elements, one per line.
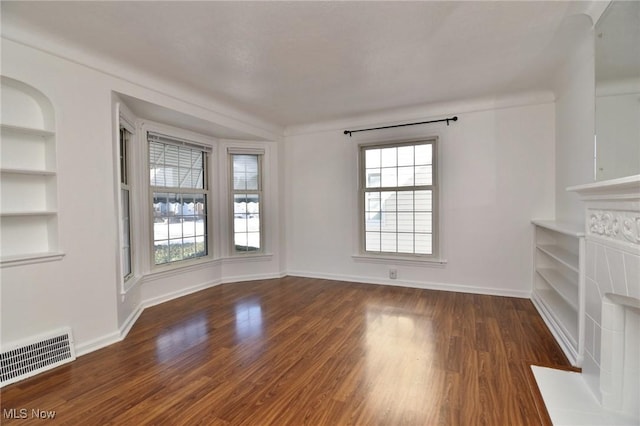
<point>125,178</point>
<point>259,152</point>
<point>435,256</point>
<point>180,137</point>
<point>126,120</point>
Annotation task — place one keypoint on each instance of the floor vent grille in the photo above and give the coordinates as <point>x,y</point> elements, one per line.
<point>29,359</point>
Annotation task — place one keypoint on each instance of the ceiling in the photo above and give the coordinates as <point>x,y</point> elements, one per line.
<point>301,62</point>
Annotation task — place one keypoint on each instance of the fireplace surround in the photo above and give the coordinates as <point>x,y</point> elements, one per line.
<point>611,366</point>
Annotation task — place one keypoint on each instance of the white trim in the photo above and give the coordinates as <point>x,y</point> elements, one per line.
<point>130,284</point>
<point>126,326</point>
<point>241,258</point>
<point>98,343</point>
<point>402,260</point>
<point>254,277</point>
<point>245,150</point>
<point>147,303</point>
<point>179,270</point>
<point>457,288</point>
<point>30,259</point>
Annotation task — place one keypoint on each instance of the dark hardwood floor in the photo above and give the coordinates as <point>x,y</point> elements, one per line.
<point>297,351</point>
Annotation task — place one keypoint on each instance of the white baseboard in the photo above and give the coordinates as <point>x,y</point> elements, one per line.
<point>458,288</point>
<point>126,326</point>
<point>153,301</point>
<point>255,277</point>
<point>98,343</point>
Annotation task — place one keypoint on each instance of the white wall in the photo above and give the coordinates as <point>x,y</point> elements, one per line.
<point>618,129</point>
<point>83,290</point>
<point>575,118</point>
<point>497,171</point>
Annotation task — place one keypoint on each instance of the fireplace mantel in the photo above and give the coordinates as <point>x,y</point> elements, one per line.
<point>627,188</point>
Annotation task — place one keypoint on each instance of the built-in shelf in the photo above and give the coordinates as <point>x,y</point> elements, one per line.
<point>558,283</point>
<point>28,209</point>
<point>29,213</point>
<point>563,318</point>
<point>565,288</point>
<point>18,260</point>
<point>9,128</point>
<point>33,172</point>
<point>565,228</point>
<point>570,260</point>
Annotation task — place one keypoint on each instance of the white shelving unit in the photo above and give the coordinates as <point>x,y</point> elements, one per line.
<point>559,282</point>
<point>28,179</point>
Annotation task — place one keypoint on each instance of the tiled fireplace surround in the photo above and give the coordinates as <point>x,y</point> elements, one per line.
<point>611,366</point>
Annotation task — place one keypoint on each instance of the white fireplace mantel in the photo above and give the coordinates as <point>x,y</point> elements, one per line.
<point>615,189</point>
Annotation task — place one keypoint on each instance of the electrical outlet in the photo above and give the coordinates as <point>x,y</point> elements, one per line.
<point>393,273</point>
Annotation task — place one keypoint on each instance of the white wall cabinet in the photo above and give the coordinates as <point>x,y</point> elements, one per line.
<point>559,282</point>
<point>28,181</point>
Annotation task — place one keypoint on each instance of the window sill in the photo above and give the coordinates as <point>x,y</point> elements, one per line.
<point>30,259</point>
<point>254,257</point>
<point>400,260</point>
<point>169,270</point>
<point>130,284</point>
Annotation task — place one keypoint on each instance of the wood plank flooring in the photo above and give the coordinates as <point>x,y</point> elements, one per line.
<point>297,351</point>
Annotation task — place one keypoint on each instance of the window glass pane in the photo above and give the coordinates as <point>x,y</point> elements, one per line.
<point>372,158</point>
<point>405,176</point>
<point>201,246</point>
<point>175,249</point>
<point>373,178</point>
<point>423,175</point>
<point>389,157</point>
<point>423,201</point>
<point>253,222</point>
<point>240,241</point>
<point>189,226</point>
<point>126,263</point>
<point>245,172</point>
<point>372,241</point>
<point>372,221</point>
<point>372,201</point>
<point>424,243</point>
<point>405,156</point>
<point>405,200</point>
<point>405,221</point>
<point>388,241</point>
<point>253,241</point>
<point>423,154</point>
<point>405,243</point>
<point>423,222</point>
<point>389,176</point>
<point>388,201</point>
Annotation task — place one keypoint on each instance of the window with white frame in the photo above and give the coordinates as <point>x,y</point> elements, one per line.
<point>180,192</point>
<point>398,198</point>
<point>246,198</point>
<point>125,203</point>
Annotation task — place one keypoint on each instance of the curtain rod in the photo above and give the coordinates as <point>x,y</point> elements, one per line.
<point>349,132</point>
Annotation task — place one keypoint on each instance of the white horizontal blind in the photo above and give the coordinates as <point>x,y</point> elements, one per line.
<point>160,138</point>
